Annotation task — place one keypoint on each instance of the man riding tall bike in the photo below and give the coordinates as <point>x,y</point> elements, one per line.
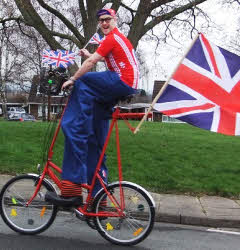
<point>84,123</point>
<point>122,212</point>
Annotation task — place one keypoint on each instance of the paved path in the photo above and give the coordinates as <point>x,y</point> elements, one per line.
<point>208,211</point>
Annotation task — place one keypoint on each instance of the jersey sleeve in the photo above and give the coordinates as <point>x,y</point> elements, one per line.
<point>106,46</point>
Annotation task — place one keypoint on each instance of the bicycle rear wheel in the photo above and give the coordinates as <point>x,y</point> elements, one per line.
<point>138,219</point>
<point>32,219</point>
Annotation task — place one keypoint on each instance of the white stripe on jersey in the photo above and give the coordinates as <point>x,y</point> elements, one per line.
<point>130,58</point>
<point>136,61</point>
<point>114,64</point>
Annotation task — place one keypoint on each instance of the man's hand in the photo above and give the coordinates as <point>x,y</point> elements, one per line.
<point>86,66</point>
<point>85,53</point>
<point>67,84</point>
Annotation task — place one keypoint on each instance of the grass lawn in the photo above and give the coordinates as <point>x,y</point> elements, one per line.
<point>167,158</point>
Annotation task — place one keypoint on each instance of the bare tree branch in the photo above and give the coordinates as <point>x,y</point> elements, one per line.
<point>159,3</point>
<point>33,18</point>
<point>63,19</point>
<point>68,37</point>
<point>83,14</point>
<point>170,15</point>
<point>16,19</point>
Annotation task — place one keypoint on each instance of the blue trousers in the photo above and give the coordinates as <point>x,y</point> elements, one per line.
<point>85,124</point>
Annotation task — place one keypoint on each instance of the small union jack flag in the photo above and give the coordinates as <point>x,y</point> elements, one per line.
<point>96,39</point>
<point>205,89</point>
<point>60,58</point>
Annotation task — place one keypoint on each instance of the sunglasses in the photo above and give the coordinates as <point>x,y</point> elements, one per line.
<point>107,20</point>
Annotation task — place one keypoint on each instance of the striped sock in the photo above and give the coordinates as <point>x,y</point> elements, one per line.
<point>70,189</point>
<point>103,203</point>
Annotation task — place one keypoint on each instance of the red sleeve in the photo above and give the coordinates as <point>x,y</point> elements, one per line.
<point>106,46</point>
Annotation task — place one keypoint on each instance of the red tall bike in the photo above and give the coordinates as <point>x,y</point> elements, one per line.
<point>127,219</point>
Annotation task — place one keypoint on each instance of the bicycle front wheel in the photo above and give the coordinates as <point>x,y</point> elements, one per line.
<point>32,219</point>
<point>138,219</point>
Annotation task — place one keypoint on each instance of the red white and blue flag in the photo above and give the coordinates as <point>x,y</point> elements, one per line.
<point>96,39</point>
<point>205,89</point>
<point>59,58</point>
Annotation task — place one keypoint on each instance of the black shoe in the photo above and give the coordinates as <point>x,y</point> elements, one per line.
<point>54,199</point>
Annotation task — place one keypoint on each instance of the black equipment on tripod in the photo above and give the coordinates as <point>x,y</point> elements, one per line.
<point>51,82</point>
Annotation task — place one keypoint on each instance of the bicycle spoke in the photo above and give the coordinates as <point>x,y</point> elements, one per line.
<point>30,219</point>
<point>17,194</point>
<point>137,222</point>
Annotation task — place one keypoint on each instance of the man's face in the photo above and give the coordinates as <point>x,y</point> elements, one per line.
<point>107,23</point>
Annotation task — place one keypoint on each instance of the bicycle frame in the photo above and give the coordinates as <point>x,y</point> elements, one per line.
<point>50,166</point>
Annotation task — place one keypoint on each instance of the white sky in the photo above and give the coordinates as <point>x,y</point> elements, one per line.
<point>162,65</point>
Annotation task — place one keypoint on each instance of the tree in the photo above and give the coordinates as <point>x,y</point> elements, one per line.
<point>20,53</point>
<point>67,24</point>
<point>18,64</point>
<point>9,63</point>
<point>76,20</point>
<point>235,37</point>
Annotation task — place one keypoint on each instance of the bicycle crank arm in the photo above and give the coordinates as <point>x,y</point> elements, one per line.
<point>79,215</point>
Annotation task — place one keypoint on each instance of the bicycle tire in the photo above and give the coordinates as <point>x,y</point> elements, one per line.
<point>35,218</point>
<point>139,211</point>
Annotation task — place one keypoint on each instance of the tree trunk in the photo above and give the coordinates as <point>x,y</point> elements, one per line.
<point>140,18</point>
<point>4,99</point>
<point>43,108</point>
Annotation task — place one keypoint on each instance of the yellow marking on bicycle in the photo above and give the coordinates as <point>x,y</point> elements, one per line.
<point>134,199</point>
<point>43,211</point>
<point>13,212</point>
<point>112,205</point>
<point>138,231</point>
<point>14,201</point>
<point>109,227</point>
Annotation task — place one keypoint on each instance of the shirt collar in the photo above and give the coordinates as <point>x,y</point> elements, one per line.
<point>113,31</point>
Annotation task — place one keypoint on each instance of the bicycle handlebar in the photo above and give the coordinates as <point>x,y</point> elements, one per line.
<point>117,115</point>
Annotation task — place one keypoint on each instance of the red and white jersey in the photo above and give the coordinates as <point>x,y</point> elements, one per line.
<point>120,57</point>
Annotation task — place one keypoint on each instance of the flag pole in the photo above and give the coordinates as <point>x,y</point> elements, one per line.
<point>91,37</point>
<point>88,42</point>
<point>164,86</point>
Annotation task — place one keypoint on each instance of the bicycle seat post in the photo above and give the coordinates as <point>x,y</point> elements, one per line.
<point>115,114</point>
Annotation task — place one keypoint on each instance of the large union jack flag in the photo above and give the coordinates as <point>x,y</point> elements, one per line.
<point>59,58</point>
<point>205,89</point>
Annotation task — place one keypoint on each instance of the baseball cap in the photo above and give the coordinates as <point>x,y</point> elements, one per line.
<point>110,12</point>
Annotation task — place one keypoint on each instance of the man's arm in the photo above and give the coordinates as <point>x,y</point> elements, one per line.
<point>86,66</point>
